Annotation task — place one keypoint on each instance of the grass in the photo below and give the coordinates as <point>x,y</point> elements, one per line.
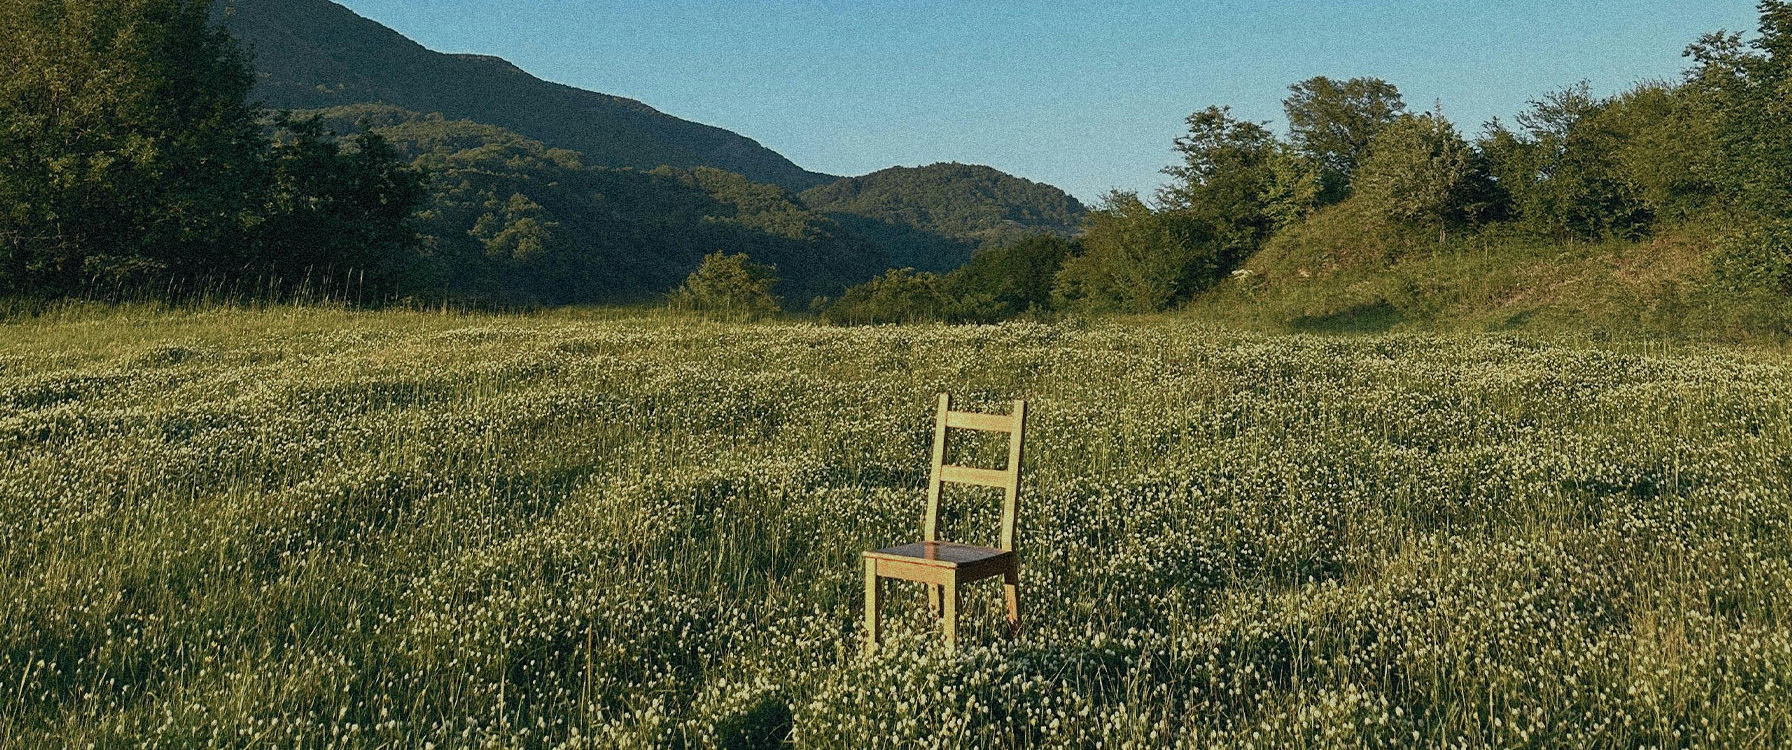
<point>1341,273</point>
<point>320,528</point>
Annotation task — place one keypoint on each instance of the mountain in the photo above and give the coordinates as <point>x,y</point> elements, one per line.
<point>932,218</point>
<point>512,220</point>
<point>544,193</point>
<point>312,54</point>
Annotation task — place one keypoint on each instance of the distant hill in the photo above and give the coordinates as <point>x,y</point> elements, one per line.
<point>931,218</point>
<point>511,220</point>
<point>315,54</point>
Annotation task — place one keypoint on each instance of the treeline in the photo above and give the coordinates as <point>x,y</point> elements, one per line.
<point>1357,163</point>
<point>131,157</point>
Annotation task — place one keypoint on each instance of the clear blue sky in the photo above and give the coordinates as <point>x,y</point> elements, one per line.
<point>1083,95</point>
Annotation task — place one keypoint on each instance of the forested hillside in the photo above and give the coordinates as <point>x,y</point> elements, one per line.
<point>316,54</point>
<point>932,218</point>
<point>511,220</point>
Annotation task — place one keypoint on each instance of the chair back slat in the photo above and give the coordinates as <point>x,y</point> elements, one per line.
<point>996,478</point>
<point>1007,480</point>
<point>983,422</point>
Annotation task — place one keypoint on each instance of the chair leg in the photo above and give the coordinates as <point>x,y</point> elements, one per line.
<point>873,605</point>
<point>933,600</point>
<point>949,602</point>
<point>1011,597</point>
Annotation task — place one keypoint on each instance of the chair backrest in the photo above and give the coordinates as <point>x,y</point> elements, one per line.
<point>1007,480</point>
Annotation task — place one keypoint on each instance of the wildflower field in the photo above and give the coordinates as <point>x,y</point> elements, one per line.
<point>317,528</point>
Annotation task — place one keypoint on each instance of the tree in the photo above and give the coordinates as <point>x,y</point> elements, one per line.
<point>1136,259</point>
<point>1562,169</point>
<point>1420,174</point>
<point>900,295</point>
<point>1333,122</point>
<point>127,142</point>
<point>1748,87</point>
<point>1665,148</point>
<point>730,287</point>
<point>1015,277</point>
<point>516,230</point>
<point>130,153</point>
<point>1750,91</point>
<point>335,206</point>
<point>1238,180</point>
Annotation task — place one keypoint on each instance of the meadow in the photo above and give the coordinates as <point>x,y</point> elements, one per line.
<point>320,528</point>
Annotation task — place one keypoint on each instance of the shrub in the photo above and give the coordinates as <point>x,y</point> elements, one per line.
<point>1419,174</point>
<point>730,287</point>
<point>901,295</point>
<point>1136,259</point>
<point>1015,278</point>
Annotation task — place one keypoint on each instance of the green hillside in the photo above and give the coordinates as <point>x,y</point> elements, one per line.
<point>932,218</point>
<point>317,54</point>
<point>1325,275</point>
<point>511,220</point>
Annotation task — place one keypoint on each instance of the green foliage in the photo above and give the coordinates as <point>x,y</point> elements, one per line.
<point>127,145</point>
<point>1756,258</point>
<point>511,220</point>
<point>933,217</point>
<point>901,295</point>
<point>1562,169</point>
<point>1016,276</point>
<point>1421,174</point>
<point>729,287</point>
<point>1749,87</point>
<point>1001,282</point>
<point>1238,181</point>
<point>1750,91</point>
<point>1333,122</point>
<point>339,205</point>
<point>1136,259</point>
<point>1664,145</point>
<point>130,156</point>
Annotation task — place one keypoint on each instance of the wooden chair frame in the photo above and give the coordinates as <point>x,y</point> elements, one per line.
<point>944,566</point>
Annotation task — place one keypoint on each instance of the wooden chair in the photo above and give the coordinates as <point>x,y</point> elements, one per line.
<point>943,566</point>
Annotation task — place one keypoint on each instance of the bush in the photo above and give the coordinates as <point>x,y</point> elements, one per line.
<point>901,295</point>
<point>1136,259</point>
<point>1016,278</point>
<point>730,287</point>
<point>1420,174</point>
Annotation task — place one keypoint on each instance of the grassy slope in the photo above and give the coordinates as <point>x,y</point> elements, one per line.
<point>1328,276</point>
<point>298,526</point>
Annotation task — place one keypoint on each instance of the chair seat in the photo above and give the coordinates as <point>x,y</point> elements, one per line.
<point>964,560</point>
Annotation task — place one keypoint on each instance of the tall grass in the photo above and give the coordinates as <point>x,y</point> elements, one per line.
<point>1334,274</point>
<point>329,528</point>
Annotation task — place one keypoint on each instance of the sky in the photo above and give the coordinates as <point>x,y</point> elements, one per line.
<point>1087,96</point>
